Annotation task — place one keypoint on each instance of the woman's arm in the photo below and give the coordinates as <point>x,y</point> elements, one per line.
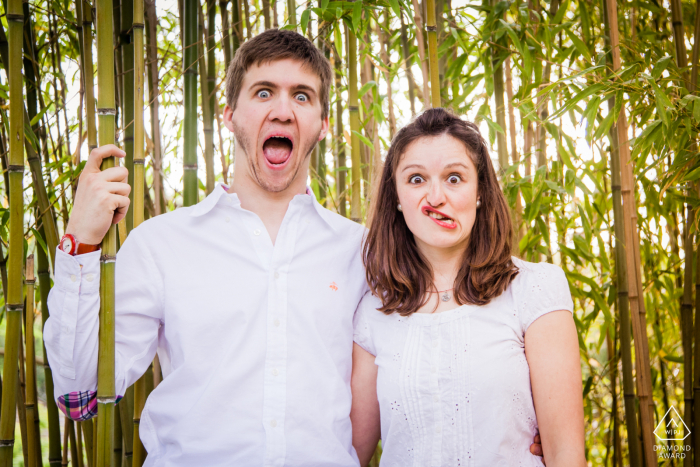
<point>364,413</point>
<point>551,347</point>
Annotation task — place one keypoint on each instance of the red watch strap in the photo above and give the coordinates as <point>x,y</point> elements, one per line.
<point>83,248</point>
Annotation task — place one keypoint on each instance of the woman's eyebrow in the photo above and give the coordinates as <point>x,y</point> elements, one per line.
<point>457,164</point>
<point>413,166</point>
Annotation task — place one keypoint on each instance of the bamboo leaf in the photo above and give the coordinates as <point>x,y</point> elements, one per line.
<point>395,6</point>
<point>579,44</point>
<point>356,15</point>
<point>366,87</point>
<point>304,20</point>
<point>364,139</point>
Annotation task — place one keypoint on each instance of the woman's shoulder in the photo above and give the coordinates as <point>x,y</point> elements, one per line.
<point>539,288</point>
<point>538,275</point>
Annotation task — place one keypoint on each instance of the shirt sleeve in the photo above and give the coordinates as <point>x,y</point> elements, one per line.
<point>72,330</point>
<point>543,288</point>
<point>361,323</point>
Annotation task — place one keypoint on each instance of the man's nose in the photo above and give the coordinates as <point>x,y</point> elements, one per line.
<point>282,109</point>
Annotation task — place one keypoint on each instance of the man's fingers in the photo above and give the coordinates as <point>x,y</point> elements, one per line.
<point>536,449</point>
<point>122,206</point>
<point>96,156</point>
<point>114,174</point>
<point>119,188</point>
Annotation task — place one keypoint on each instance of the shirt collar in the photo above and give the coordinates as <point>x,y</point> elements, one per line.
<point>208,203</point>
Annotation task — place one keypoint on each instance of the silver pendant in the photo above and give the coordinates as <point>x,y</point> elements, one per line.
<point>446,297</point>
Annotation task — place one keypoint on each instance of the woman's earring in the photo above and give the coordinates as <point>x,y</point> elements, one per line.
<point>399,208</point>
<point>478,203</point>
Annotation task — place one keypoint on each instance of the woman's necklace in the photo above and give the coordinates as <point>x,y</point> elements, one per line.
<point>446,296</point>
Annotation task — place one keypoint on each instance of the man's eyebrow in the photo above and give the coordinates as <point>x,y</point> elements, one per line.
<point>413,166</point>
<point>267,84</point>
<point>305,87</point>
<point>270,84</point>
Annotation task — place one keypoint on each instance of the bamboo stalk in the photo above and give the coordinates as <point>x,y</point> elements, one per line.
<point>189,148</point>
<point>405,49</point>
<point>153,95</point>
<point>207,115</point>
<point>354,110</point>
<point>638,312</point>
<point>88,435</point>
<point>498,91</point>
<point>434,66</point>
<point>384,47</point>
<point>106,111</point>
<point>292,14</point>
<point>30,362</point>
<point>226,38</point>
<point>417,16</point>
<point>696,368</point>
<point>138,190</point>
<point>51,407</point>
<point>266,13</point>
<point>13,296</point>
<point>127,96</point>
<point>88,74</point>
<point>340,171</point>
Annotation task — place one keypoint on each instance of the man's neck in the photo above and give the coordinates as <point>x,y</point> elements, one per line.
<point>270,207</point>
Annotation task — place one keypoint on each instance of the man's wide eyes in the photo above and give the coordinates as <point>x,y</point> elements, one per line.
<point>263,94</point>
<point>302,97</point>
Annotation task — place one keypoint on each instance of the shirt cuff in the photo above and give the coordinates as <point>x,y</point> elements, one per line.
<point>77,274</point>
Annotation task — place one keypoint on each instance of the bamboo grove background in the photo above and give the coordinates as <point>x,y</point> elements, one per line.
<point>591,107</point>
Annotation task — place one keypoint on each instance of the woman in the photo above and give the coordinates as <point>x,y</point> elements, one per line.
<point>463,352</point>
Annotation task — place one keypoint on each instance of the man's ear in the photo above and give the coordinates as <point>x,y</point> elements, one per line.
<point>324,128</point>
<point>228,117</point>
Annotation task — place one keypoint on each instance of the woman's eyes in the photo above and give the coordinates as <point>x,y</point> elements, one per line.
<point>263,94</point>
<point>454,179</point>
<point>415,179</point>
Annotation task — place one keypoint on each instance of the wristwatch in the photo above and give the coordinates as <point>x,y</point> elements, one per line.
<point>69,244</point>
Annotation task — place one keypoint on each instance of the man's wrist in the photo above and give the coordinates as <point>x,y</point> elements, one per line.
<point>71,245</point>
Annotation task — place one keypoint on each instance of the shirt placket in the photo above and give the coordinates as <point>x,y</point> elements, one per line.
<point>436,451</point>
<point>275,379</point>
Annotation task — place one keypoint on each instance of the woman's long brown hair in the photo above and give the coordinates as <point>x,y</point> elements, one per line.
<point>397,272</point>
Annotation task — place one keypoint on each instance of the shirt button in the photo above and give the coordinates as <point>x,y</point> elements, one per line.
<point>273,423</point>
<point>89,277</point>
<point>437,429</point>
<point>433,370</point>
<point>277,275</point>
<point>256,232</point>
<point>275,372</point>
<point>66,330</point>
<point>436,398</point>
<point>277,323</point>
<point>227,219</point>
<point>73,278</point>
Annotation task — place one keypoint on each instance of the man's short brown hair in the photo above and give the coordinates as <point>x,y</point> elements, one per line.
<point>273,45</point>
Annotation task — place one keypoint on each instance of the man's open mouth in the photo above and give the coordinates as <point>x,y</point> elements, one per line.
<point>277,150</point>
<point>439,218</point>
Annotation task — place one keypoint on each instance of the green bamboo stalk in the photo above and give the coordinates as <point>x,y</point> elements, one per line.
<point>406,59</point>
<point>226,36</point>
<point>153,93</point>
<point>88,436</point>
<point>13,296</point>
<point>51,407</point>
<point>88,69</point>
<point>30,362</point>
<point>127,97</point>
<point>138,190</point>
<point>106,111</point>
<point>340,171</point>
<point>292,14</point>
<point>118,438</point>
<point>207,90</point>
<point>354,108</point>
<point>190,20</point>
<point>433,64</point>
<point>498,91</point>
<point>696,368</point>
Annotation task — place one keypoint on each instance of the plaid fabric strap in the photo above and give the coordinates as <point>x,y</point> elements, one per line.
<point>80,405</point>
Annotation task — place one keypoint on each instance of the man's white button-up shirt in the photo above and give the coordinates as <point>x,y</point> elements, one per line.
<point>255,339</point>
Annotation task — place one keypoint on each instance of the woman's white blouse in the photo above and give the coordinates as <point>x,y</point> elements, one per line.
<point>454,387</point>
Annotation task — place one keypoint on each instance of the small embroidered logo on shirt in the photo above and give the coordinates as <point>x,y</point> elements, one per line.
<point>334,286</point>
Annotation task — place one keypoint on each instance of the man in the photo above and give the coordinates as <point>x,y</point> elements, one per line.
<point>248,297</point>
